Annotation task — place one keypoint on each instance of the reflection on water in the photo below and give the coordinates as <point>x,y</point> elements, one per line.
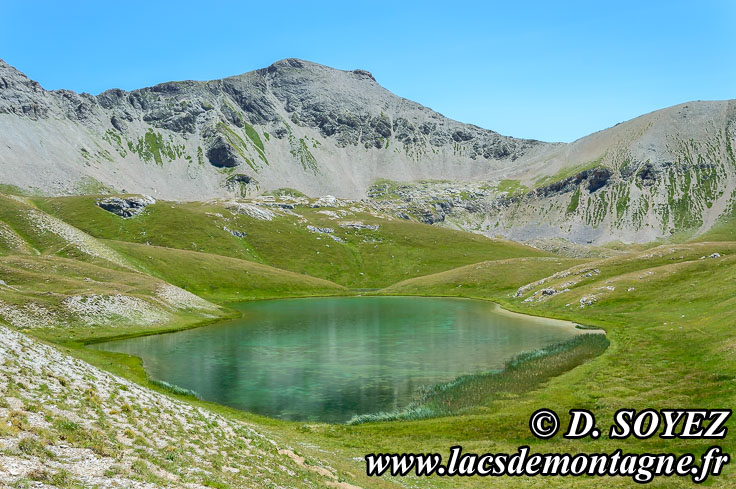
<point>328,359</point>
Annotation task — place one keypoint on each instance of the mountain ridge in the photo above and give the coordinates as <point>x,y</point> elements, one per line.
<point>318,130</point>
<point>294,99</point>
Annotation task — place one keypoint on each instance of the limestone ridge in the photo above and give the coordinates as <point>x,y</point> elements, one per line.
<point>667,172</point>
<point>324,131</point>
<point>294,124</point>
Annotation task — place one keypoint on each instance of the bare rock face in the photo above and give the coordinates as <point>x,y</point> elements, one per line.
<point>126,207</point>
<point>670,171</point>
<point>222,155</point>
<point>592,180</point>
<point>294,124</point>
<point>242,184</point>
<point>355,110</point>
<point>322,131</point>
<point>20,95</point>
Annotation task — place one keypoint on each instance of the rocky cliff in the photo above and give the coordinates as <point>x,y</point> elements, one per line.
<point>294,124</point>
<point>322,131</point>
<point>669,172</point>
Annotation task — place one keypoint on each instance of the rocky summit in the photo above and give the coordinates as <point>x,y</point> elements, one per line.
<point>320,131</point>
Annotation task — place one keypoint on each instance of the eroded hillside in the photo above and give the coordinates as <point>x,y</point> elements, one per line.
<point>300,125</point>
<point>294,124</point>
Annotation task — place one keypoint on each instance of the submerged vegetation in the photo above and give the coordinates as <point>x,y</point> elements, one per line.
<point>174,389</point>
<point>522,373</point>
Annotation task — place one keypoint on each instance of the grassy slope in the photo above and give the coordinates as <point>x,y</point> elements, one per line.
<point>672,336</point>
<point>14,216</point>
<point>45,235</point>
<point>222,279</point>
<point>11,243</point>
<point>723,230</point>
<point>672,345</point>
<point>494,279</point>
<point>47,281</point>
<point>172,225</point>
<point>368,259</point>
<point>44,267</point>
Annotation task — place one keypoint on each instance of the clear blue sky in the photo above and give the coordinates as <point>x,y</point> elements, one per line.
<point>545,70</point>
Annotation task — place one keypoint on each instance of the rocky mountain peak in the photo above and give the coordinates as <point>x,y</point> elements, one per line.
<point>19,94</point>
<point>289,63</point>
<point>333,129</point>
<point>11,77</point>
<point>305,126</point>
<point>364,74</point>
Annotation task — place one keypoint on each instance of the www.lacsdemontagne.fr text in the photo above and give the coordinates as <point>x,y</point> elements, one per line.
<point>642,468</point>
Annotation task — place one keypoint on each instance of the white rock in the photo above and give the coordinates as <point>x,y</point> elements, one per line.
<point>251,210</point>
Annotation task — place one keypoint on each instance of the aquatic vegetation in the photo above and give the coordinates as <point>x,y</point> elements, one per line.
<point>522,373</point>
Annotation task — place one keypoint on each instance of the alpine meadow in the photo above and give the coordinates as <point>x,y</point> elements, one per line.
<point>149,240</point>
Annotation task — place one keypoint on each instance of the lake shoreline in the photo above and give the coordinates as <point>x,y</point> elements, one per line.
<point>233,313</point>
<point>503,309</point>
<point>443,338</point>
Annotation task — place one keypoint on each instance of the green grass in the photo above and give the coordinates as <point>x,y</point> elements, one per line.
<point>153,143</point>
<point>366,259</point>
<point>307,159</point>
<point>388,189</point>
<point>153,147</point>
<point>657,359</point>
<point>13,213</point>
<point>89,185</point>
<point>253,135</point>
<point>222,279</point>
<point>567,172</point>
<point>47,281</point>
<point>11,243</point>
<point>667,313</point>
<point>723,230</point>
<point>184,226</point>
<point>13,190</point>
<point>21,218</point>
<point>490,279</point>
<point>574,201</point>
<point>286,191</point>
<point>511,187</point>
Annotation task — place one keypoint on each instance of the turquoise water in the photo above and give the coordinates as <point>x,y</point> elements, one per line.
<point>328,359</point>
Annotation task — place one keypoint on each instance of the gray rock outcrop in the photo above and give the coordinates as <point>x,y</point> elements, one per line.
<point>126,207</point>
